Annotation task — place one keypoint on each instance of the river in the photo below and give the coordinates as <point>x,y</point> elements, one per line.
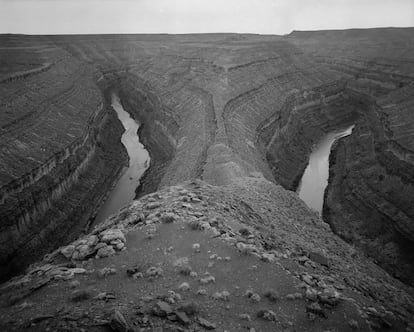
<point>312,186</point>
<point>139,160</point>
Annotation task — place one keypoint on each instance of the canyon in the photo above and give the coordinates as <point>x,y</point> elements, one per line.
<point>235,111</point>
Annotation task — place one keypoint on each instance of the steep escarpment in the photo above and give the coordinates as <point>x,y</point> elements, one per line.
<point>52,209</point>
<point>369,198</point>
<point>60,153</point>
<point>288,137</point>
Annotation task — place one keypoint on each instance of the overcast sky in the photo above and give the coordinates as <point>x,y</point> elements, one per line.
<point>186,16</point>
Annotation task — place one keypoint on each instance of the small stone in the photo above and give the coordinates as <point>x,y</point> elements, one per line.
<point>184,286</point>
<point>112,234</point>
<point>78,270</point>
<point>147,298</point>
<point>106,251</point>
<point>81,295</point>
<point>308,279</point>
<point>208,279</point>
<point>311,294</point>
<point>106,271</point>
<point>255,297</point>
<point>319,258</point>
<point>185,270</point>
<point>168,217</point>
<point>244,232</point>
<point>68,251</point>
<point>267,257</point>
<point>223,296</point>
<point>182,261</point>
<point>202,291</point>
<point>182,318</point>
<point>174,297</point>
<point>154,271</point>
<point>272,295</point>
<point>152,205</point>
<point>245,317</point>
<point>302,259</point>
<point>294,296</point>
<point>267,315</point>
<point>100,245</point>
<point>104,296</point>
<point>190,308</point>
<point>83,251</point>
<point>353,324</point>
<point>193,274</point>
<point>119,246</point>
<point>195,225</point>
<point>161,309</point>
<point>227,258</point>
<point>214,256</point>
<point>118,322</point>
<point>196,247</point>
<point>330,296</point>
<point>246,248</point>
<point>316,309</point>
<point>206,324</point>
<point>74,284</point>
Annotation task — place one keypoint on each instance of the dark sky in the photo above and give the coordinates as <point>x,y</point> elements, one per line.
<point>186,16</point>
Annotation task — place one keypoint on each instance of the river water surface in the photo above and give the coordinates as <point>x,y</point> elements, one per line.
<point>139,160</point>
<point>312,186</point>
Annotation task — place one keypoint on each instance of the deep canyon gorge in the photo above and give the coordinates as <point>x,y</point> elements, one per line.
<point>237,112</point>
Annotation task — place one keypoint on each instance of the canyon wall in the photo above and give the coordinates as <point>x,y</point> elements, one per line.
<point>217,107</point>
<point>59,151</point>
<point>369,197</point>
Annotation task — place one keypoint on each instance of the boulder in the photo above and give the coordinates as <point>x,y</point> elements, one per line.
<point>111,235</point>
<point>106,251</point>
<point>68,251</point>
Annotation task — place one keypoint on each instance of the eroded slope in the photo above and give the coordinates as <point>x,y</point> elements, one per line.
<point>195,256</point>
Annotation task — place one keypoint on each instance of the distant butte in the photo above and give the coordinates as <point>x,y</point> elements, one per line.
<point>229,121</point>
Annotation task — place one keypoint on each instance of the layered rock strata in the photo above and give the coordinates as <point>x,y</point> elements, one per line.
<point>56,134</point>
<point>220,107</point>
<point>369,196</point>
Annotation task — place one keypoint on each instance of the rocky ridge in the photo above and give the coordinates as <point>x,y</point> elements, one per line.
<point>167,262</point>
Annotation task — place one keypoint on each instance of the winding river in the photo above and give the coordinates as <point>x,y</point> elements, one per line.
<point>312,186</point>
<point>139,160</point>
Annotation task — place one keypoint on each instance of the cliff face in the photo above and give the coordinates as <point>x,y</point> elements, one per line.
<point>369,197</point>
<point>368,200</point>
<point>217,107</point>
<point>57,131</point>
<point>288,137</point>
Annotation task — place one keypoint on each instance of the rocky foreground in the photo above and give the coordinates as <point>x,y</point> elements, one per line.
<point>195,257</point>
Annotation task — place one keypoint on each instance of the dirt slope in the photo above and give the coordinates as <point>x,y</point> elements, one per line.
<point>193,257</point>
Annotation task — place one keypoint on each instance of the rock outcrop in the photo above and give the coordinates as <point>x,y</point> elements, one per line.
<point>242,256</point>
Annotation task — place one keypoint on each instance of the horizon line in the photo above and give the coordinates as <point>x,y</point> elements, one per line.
<point>197,33</point>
